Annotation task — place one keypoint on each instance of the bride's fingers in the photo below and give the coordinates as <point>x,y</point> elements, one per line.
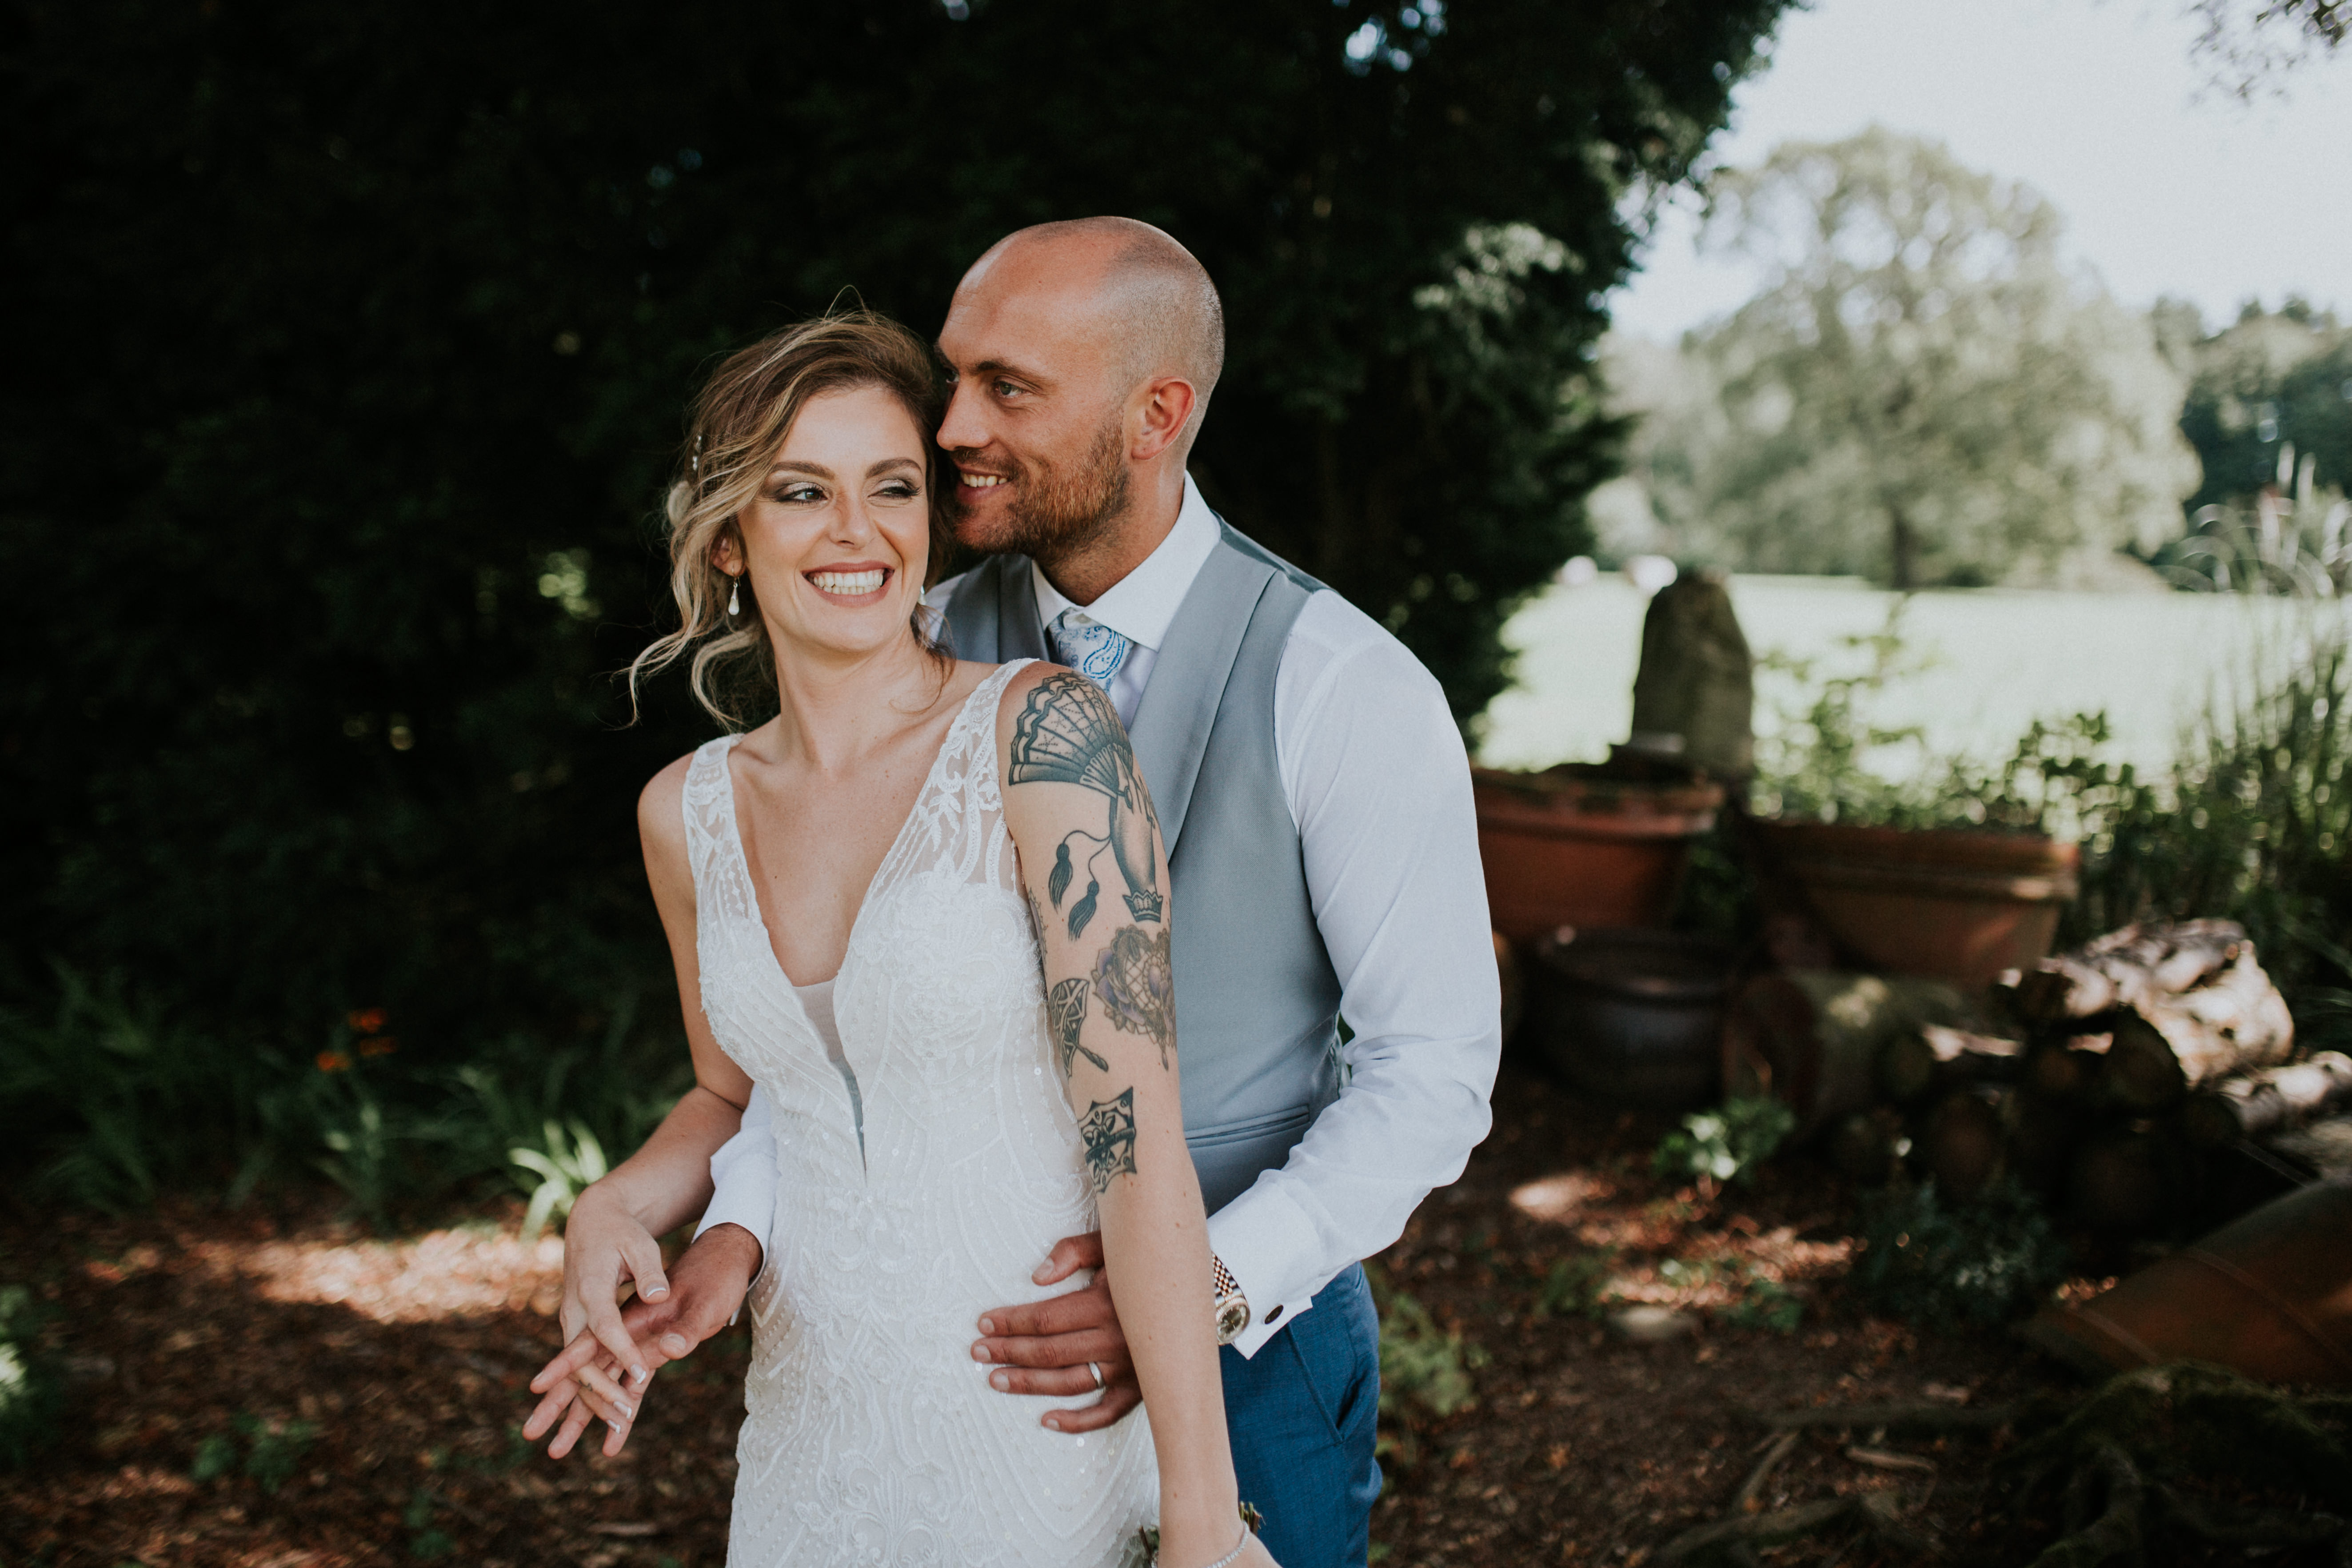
<point>551,1406</point>
<point>585,1349</point>
<point>576,1421</point>
<point>605,1396</point>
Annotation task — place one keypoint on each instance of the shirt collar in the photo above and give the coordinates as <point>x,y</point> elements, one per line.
<point>1141,605</point>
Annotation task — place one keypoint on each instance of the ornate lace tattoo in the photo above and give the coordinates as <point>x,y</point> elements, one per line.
<point>1138,987</point>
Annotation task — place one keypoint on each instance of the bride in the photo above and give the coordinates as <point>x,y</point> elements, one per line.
<point>922,907</point>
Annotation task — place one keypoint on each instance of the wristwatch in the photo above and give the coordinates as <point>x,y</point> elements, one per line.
<point>1232,1308</point>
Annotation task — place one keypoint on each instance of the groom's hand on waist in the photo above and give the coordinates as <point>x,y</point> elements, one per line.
<point>1053,1347</point>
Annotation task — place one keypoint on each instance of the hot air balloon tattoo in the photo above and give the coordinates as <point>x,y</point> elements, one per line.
<point>1067,733</point>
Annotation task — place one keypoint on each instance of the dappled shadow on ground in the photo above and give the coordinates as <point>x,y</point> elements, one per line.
<point>1583,1446</point>
<point>202,1346</point>
<point>195,1338</point>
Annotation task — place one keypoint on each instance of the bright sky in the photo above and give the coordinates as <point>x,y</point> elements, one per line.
<point>2167,187</point>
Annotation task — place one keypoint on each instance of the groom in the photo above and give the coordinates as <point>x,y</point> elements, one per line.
<point>1315,799</point>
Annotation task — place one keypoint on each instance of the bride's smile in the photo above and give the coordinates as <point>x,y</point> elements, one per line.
<point>834,545</point>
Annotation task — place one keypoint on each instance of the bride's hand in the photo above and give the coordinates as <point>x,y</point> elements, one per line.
<point>584,1382</point>
<point>603,1244</point>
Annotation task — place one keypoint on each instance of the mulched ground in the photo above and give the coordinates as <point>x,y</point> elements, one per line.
<point>378,1384</point>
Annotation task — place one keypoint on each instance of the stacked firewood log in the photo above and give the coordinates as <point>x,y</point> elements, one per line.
<point>2125,1083</point>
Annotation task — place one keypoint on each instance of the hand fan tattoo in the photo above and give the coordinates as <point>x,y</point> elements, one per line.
<point>1067,733</point>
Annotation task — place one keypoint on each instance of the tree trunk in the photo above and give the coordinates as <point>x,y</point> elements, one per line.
<point>2270,1100</point>
<point>1903,550</point>
<point>2127,967</point>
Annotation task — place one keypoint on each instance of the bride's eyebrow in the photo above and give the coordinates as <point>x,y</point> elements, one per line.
<point>887,464</point>
<point>793,465</point>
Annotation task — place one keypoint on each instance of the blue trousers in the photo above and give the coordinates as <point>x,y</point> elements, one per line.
<point>1303,1414</point>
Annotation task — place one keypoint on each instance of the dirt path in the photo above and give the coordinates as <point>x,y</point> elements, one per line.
<point>379,1384</point>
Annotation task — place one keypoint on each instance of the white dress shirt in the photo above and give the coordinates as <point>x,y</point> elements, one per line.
<point>1376,782</point>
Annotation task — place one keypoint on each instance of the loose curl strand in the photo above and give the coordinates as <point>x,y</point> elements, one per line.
<point>735,427</point>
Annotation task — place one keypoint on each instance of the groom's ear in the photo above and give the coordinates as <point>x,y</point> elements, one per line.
<point>1161,417</point>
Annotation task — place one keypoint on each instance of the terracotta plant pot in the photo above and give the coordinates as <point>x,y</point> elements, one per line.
<point>2269,1296</point>
<point>1634,1016</point>
<point>1571,846</point>
<point>1956,905</point>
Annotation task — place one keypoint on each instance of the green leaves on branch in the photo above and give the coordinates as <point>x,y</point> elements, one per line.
<point>1726,1144</point>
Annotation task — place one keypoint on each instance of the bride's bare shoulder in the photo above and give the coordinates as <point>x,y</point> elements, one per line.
<point>660,806</point>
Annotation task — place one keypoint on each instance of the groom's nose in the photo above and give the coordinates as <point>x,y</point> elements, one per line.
<point>966,424</point>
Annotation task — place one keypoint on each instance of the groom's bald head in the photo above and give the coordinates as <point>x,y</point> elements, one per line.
<point>1129,286</point>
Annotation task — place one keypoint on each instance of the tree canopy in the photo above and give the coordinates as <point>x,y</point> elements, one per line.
<point>352,343</point>
<point>1922,395</point>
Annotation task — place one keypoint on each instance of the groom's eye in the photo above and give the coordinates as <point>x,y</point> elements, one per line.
<point>1006,389</point>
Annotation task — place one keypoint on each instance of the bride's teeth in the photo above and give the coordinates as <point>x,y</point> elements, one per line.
<point>847,584</point>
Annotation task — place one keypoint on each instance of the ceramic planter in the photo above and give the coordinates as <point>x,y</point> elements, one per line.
<point>1573,847</point>
<point>1960,905</point>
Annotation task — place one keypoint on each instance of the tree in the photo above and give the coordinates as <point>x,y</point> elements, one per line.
<point>2249,44</point>
<point>1922,395</point>
<point>352,343</point>
<point>2268,383</point>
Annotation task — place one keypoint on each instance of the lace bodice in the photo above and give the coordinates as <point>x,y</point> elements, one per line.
<point>870,1434</point>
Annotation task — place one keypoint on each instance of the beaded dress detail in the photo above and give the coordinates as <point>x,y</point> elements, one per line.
<point>870,1436</point>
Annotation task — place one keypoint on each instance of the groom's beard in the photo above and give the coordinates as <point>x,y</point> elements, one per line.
<point>1054,512</point>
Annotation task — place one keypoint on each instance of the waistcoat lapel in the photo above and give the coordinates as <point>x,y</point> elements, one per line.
<point>1179,706</point>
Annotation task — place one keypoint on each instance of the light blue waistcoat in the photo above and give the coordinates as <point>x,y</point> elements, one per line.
<point>1257,1004</point>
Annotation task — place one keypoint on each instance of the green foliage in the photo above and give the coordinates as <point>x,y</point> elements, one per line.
<point>1573,1286</point>
<point>273,1450</point>
<point>1924,395</point>
<point>2253,824</point>
<point>32,1398</point>
<point>377,320</point>
<point>567,1161</point>
<point>425,1544</point>
<point>1940,1265</point>
<point>118,1103</point>
<point>1728,1144</point>
<point>1765,1303</point>
<point>1424,1370</point>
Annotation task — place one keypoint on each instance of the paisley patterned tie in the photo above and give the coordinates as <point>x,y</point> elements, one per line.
<point>1094,650</point>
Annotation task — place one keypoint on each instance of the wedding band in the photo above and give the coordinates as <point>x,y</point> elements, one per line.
<point>1096,1367</point>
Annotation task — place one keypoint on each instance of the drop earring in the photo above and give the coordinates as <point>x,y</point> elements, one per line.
<point>734,597</point>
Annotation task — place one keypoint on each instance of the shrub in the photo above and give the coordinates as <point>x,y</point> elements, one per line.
<point>31,1398</point>
<point>1937,1264</point>
<point>1726,1144</point>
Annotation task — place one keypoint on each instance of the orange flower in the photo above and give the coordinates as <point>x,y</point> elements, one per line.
<point>381,1045</point>
<point>370,1022</point>
<point>333,1061</point>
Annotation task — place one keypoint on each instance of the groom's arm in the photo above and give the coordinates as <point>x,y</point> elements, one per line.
<point>1379,783</point>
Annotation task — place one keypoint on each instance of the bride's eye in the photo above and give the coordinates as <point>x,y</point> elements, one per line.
<point>898,490</point>
<point>798,494</point>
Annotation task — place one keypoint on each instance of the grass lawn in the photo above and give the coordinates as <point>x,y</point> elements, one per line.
<point>2003,659</point>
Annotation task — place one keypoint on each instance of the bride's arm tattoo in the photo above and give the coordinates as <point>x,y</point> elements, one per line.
<point>1066,1010</point>
<point>1068,733</point>
<point>1137,988</point>
<point>1108,1130</point>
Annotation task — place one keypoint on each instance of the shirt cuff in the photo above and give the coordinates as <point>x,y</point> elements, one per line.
<point>1262,1238</point>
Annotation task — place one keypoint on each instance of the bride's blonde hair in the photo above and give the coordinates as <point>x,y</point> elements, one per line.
<point>737,425</point>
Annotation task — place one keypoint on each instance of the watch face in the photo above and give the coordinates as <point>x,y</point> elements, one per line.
<point>1233,1317</point>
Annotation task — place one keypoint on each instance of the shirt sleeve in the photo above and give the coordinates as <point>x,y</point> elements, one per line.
<point>1379,783</point>
<point>744,1171</point>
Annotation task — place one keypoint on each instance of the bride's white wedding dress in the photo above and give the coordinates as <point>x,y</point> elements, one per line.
<point>870,1434</point>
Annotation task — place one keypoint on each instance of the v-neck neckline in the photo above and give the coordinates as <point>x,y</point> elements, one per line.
<point>865,900</point>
